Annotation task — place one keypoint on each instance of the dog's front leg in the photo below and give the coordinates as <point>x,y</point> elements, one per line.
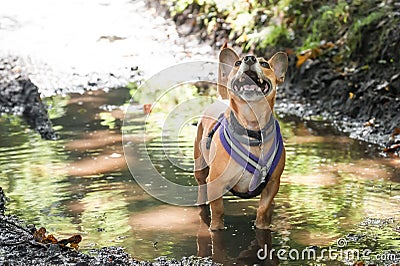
<point>214,191</point>
<point>264,211</point>
<point>217,214</point>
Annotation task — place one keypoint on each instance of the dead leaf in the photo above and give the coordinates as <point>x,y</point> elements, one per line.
<point>73,241</point>
<point>40,236</point>
<point>370,123</point>
<point>393,145</point>
<point>312,53</point>
<point>50,239</point>
<point>303,57</point>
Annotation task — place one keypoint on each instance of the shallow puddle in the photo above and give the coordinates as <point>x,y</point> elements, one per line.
<point>333,188</point>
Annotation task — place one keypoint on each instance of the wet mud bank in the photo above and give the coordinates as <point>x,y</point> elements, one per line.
<point>19,245</point>
<point>359,94</point>
<point>363,103</point>
<point>22,96</point>
<point>18,95</point>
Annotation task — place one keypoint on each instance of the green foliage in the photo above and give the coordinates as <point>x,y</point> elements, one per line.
<point>56,106</point>
<point>294,24</point>
<point>324,24</point>
<point>253,24</point>
<point>359,25</point>
<point>269,36</point>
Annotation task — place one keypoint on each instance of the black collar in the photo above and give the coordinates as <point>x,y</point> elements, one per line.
<point>247,136</point>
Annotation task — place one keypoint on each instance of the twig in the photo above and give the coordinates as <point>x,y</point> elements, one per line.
<point>14,244</point>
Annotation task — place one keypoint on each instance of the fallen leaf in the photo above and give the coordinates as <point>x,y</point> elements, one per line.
<point>312,53</point>
<point>370,123</point>
<point>393,145</point>
<point>303,57</point>
<point>73,241</point>
<point>40,236</point>
<point>50,239</point>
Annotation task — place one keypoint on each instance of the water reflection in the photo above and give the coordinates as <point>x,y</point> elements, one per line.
<point>80,184</point>
<point>214,244</point>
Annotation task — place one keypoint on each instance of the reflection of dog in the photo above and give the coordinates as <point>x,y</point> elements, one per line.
<point>215,245</point>
<point>242,150</point>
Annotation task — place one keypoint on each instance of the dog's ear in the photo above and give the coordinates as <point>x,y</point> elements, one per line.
<point>227,58</point>
<point>279,63</point>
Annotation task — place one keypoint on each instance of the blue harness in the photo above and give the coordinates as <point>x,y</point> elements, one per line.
<point>232,135</point>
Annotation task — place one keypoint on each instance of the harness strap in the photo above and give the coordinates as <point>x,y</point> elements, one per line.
<point>213,130</point>
<point>242,134</point>
<point>262,169</point>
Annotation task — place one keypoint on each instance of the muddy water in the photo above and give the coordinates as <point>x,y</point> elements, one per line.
<point>333,187</point>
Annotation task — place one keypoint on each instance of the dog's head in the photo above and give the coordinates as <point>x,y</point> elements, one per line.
<point>251,78</point>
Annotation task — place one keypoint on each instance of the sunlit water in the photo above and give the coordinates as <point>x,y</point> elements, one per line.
<point>333,187</point>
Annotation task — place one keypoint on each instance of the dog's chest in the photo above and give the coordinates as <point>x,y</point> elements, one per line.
<point>242,185</point>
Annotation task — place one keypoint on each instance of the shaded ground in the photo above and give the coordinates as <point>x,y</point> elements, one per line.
<point>19,247</point>
<point>18,95</point>
<point>349,76</point>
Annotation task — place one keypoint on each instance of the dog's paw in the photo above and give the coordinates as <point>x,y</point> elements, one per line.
<point>217,226</point>
<point>263,225</point>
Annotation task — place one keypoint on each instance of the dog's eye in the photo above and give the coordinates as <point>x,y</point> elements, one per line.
<point>265,64</point>
<point>237,63</point>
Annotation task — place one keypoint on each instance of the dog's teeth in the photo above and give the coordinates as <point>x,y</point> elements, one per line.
<point>241,79</point>
<point>261,81</point>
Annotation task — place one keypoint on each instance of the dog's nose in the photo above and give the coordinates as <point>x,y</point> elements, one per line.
<point>249,60</point>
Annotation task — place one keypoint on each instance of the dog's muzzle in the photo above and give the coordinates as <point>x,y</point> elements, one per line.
<point>250,81</point>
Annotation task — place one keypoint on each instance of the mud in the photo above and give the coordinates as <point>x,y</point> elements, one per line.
<point>360,96</point>
<point>361,103</point>
<point>18,95</point>
<point>18,247</point>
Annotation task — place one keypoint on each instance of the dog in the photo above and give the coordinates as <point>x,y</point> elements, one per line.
<point>238,146</point>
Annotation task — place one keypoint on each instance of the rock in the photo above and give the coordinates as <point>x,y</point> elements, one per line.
<point>2,202</point>
<point>18,95</point>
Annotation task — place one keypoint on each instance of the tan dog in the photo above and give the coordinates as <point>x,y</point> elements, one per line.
<point>249,85</point>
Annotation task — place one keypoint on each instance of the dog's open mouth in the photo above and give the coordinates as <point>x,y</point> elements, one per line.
<point>249,82</point>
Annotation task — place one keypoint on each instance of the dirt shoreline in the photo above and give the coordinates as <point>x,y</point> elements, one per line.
<point>18,246</point>
<point>18,95</point>
<point>360,96</point>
